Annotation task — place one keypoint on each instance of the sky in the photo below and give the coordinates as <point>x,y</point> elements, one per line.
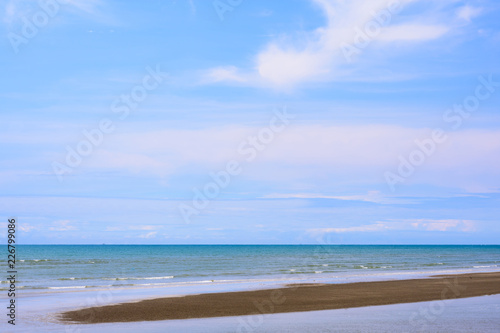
<point>250,122</point>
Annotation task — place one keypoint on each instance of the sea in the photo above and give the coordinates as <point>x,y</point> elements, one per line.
<point>70,267</point>
<point>54,278</point>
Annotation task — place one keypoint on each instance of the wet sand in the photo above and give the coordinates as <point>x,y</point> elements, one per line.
<point>293,298</point>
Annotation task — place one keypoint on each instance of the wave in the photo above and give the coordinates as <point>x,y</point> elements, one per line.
<point>432,264</point>
<point>485,266</point>
<point>290,276</point>
<point>63,261</point>
<point>140,278</point>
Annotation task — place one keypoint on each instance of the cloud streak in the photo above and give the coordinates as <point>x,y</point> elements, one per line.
<point>408,224</point>
<point>358,151</point>
<point>371,196</point>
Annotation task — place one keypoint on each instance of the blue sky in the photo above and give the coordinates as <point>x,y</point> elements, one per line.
<point>252,122</point>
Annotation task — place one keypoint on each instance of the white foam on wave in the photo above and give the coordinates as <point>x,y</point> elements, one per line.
<point>362,275</point>
<point>158,277</point>
<point>485,266</point>
<point>151,284</point>
<point>140,278</point>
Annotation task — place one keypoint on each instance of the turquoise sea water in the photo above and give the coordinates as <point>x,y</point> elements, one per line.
<point>57,278</point>
<point>71,267</point>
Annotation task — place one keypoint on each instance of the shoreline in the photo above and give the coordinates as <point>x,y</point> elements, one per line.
<point>292,298</point>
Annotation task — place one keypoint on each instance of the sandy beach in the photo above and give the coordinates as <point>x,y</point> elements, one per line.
<point>293,298</point>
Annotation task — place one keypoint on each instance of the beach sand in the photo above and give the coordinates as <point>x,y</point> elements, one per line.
<point>293,298</point>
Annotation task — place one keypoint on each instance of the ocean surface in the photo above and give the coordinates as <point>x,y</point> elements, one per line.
<point>56,278</point>
<point>48,268</point>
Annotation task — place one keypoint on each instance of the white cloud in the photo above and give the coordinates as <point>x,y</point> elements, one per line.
<point>412,32</point>
<point>318,55</point>
<point>284,67</point>
<point>468,12</point>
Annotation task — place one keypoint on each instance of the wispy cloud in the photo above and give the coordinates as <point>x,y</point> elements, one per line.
<point>149,235</point>
<point>88,6</point>
<point>133,227</point>
<point>362,228</point>
<point>353,150</point>
<point>27,227</point>
<point>467,12</point>
<point>371,196</point>
<point>224,73</point>
<point>412,32</point>
<point>407,224</point>
<point>192,7</point>
<point>63,225</point>
<point>444,225</point>
<point>265,13</point>
<point>15,10</point>
<point>9,11</point>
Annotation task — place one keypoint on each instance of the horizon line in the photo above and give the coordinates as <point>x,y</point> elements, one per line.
<point>307,244</point>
